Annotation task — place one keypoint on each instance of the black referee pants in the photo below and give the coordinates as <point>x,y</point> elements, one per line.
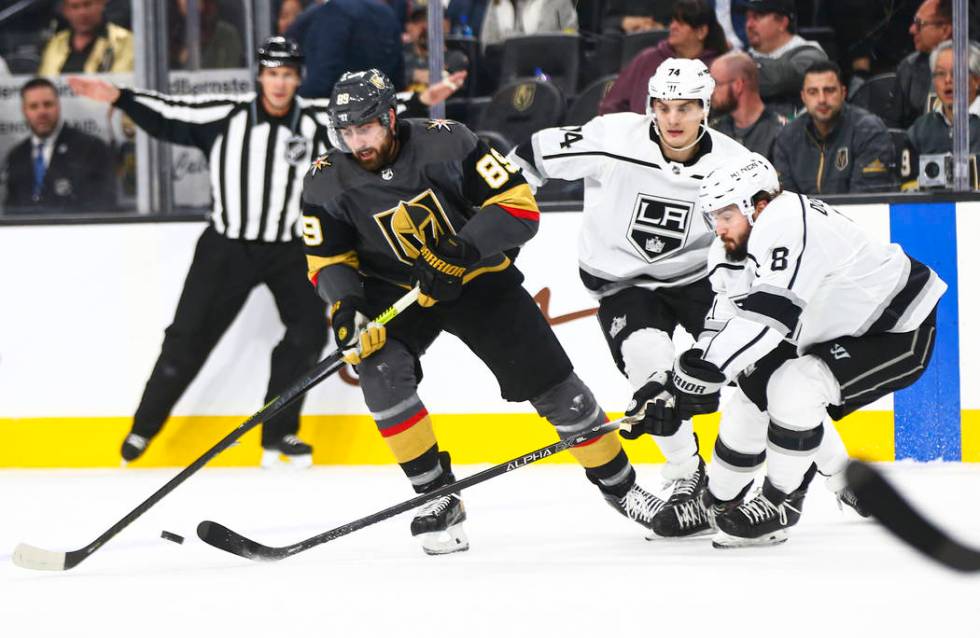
<point>222,275</point>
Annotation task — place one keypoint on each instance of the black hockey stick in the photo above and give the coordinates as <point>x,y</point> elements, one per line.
<point>32,557</point>
<point>883,501</point>
<point>219,536</point>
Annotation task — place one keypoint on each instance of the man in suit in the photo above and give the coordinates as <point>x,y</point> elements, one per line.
<point>58,168</point>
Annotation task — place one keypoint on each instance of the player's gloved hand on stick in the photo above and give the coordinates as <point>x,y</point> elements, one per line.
<point>696,385</point>
<point>439,269</point>
<point>353,331</point>
<point>652,409</point>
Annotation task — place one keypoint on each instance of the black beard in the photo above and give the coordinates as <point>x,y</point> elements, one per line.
<point>386,156</point>
<point>739,253</point>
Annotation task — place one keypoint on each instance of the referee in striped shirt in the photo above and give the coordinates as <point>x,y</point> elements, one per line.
<point>258,148</point>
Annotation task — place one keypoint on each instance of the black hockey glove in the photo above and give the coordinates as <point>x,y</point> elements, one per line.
<point>353,330</point>
<point>696,385</point>
<point>652,409</point>
<point>439,270</point>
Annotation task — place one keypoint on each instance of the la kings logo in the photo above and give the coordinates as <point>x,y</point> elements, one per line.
<point>420,221</point>
<point>659,226</point>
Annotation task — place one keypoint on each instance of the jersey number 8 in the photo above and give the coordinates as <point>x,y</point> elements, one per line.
<point>495,169</point>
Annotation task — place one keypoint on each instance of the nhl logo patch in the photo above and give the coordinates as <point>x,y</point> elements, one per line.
<point>296,149</point>
<point>387,174</point>
<point>659,226</point>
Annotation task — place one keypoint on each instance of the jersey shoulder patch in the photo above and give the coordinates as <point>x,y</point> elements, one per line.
<point>441,139</point>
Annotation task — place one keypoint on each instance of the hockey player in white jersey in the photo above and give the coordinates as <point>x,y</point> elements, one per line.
<point>642,246</point>
<point>812,318</point>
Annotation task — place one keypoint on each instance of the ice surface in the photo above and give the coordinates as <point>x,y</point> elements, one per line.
<point>548,558</point>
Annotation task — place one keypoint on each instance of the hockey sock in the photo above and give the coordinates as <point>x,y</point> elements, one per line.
<point>681,451</point>
<point>790,454</point>
<point>731,470</point>
<point>831,457</point>
<point>407,429</point>
<point>615,476</point>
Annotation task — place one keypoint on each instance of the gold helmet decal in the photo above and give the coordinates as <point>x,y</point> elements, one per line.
<point>421,221</point>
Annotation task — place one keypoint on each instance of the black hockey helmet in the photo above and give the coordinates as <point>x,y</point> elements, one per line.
<point>278,51</point>
<point>359,97</point>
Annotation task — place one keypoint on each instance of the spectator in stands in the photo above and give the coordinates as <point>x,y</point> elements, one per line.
<point>736,101</point>
<point>289,10</point>
<point>416,50</point>
<point>932,131</point>
<point>508,18</point>
<point>58,168</point>
<point>89,44</point>
<point>782,55</point>
<point>911,95</point>
<point>348,35</point>
<point>871,37</point>
<point>694,34</point>
<point>634,16</point>
<point>221,46</point>
<point>834,147</point>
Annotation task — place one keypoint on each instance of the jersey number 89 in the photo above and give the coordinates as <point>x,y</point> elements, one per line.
<point>495,169</point>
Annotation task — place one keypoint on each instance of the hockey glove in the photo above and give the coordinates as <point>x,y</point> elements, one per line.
<point>353,332</point>
<point>439,270</point>
<point>696,385</point>
<point>652,409</point>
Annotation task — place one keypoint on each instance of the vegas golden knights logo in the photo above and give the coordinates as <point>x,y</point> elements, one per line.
<point>842,159</point>
<point>421,221</point>
<point>524,96</point>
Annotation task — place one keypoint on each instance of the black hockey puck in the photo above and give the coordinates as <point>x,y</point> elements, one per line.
<point>170,536</point>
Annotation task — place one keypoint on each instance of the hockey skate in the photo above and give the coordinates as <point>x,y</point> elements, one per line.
<point>637,505</point>
<point>133,447</point>
<point>289,452</point>
<point>763,519</point>
<point>837,484</point>
<point>439,525</point>
<point>683,514</point>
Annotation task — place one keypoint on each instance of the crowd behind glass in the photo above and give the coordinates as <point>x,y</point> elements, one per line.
<point>840,96</point>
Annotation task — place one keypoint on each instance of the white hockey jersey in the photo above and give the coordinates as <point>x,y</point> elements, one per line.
<point>811,275</point>
<point>640,225</point>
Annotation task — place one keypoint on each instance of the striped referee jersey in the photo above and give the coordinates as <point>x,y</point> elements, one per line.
<point>256,162</point>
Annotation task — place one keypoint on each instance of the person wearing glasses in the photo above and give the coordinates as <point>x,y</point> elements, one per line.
<point>912,93</point>
<point>931,133</point>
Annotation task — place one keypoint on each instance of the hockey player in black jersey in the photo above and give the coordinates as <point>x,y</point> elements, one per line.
<point>403,202</point>
<point>814,319</point>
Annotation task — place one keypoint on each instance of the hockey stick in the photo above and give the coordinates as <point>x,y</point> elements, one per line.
<point>217,535</point>
<point>891,509</point>
<point>32,557</point>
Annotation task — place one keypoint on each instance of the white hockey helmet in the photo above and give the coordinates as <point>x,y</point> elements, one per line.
<point>681,79</point>
<point>737,185</point>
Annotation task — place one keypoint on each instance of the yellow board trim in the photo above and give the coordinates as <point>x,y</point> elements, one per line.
<point>354,440</point>
<point>970,436</point>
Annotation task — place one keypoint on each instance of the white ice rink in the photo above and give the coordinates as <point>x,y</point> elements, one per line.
<point>548,558</point>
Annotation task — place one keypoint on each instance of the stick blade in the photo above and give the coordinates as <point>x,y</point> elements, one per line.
<point>898,516</point>
<point>30,557</point>
<point>217,535</point>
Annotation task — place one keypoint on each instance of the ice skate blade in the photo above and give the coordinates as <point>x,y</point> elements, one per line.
<point>275,460</point>
<point>653,536</point>
<point>449,541</point>
<point>721,540</point>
